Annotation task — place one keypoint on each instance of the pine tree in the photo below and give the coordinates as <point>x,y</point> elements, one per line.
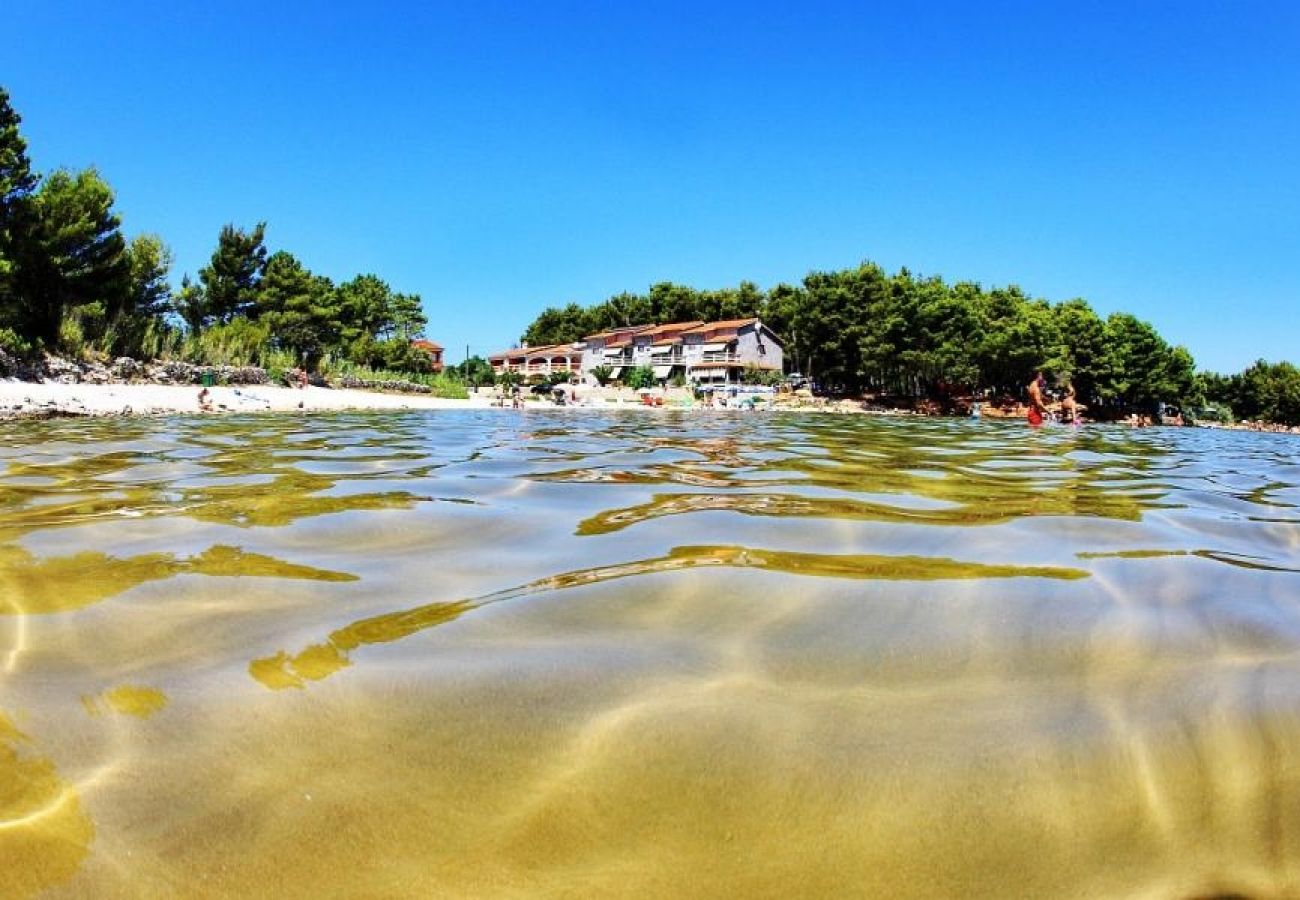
<point>299,308</point>
<point>16,184</point>
<point>74,257</point>
<point>230,281</point>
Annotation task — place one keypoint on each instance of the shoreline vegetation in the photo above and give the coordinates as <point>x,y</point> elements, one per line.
<point>75,293</point>
<point>130,388</point>
<point>909,339</point>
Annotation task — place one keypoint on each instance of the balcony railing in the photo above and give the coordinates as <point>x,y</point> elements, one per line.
<point>717,358</point>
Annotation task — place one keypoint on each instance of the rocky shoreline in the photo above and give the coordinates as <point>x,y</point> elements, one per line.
<point>52,387</point>
<point>59,388</point>
<point>125,370</point>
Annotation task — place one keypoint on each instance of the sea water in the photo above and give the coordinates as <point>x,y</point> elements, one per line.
<point>646,654</point>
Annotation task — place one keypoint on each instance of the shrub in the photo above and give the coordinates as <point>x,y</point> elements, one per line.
<point>17,346</point>
<point>239,342</point>
<point>277,363</point>
<point>158,340</point>
<point>755,375</point>
<point>81,329</point>
<point>445,384</point>
<point>640,377</point>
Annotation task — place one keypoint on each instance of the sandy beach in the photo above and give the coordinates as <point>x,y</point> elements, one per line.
<point>28,399</point>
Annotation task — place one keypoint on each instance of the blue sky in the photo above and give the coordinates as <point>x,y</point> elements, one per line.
<point>497,158</point>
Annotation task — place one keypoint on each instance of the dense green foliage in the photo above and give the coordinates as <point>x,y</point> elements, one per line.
<point>71,282</point>
<point>71,256</point>
<point>232,280</point>
<point>1267,392</point>
<point>640,377</point>
<point>17,181</point>
<point>474,371</point>
<point>901,334</point>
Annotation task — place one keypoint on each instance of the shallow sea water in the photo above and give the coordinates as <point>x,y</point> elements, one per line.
<point>499,654</point>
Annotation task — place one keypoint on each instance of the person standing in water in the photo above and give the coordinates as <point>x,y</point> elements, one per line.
<point>1036,406</point>
<point>1069,407</point>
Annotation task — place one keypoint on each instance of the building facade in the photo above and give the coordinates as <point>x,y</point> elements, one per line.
<point>431,350</point>
<point>698,352</point>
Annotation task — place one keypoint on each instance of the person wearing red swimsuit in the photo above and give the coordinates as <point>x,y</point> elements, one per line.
<point>1036,405</point>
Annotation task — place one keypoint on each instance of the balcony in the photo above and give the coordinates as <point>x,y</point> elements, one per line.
<point>717,359</point>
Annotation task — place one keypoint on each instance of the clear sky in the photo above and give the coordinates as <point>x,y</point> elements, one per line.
<point>498,158</point>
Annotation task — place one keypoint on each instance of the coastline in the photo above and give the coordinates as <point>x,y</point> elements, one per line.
<point>36,400</point>
<point>49,399</point>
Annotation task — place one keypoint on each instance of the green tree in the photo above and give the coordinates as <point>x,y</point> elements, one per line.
<point>602,374</point>
<point>149,264</point>
<point>230,281</point>
<point>76,256</point>
<point>1143,368</point>
<point>191,304</point>
<point>839,309</point>
<point>1084,357</point>
<point>1017,337</point>
<point>622,310</point>
<point>780,312</point>
<point>667,302</point>
<point>640,377</point>
<point>300,309</point>
<point>904,333</point>
<point>16,184</point>
<point>1222,390</point>
<point>364,304</point>
<point>476,371</point>
<point>745,301</point>
<point>556,325</point>
<point>142,318</point>
<point>406,313</point>
<point>1269,392</point>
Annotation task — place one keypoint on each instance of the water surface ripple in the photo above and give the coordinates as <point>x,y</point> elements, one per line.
<point>500,654</point>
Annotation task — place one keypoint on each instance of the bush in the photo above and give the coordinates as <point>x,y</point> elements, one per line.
<point>239,342</point>
<point>161,341</point>
<point>602,374</point>
<point>640,377</point>
<point>277,363</point>
<point>17,346</point>
<point>81,329</point>
<point>755,375</point>
<point>348,374</point>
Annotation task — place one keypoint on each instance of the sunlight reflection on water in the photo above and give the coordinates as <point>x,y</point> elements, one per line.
<point>504,654</point>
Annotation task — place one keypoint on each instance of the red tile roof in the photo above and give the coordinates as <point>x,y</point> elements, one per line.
<point>540,350</point>
<point>628,330</point>
<point>614,338</point>
<point>725,325</point>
